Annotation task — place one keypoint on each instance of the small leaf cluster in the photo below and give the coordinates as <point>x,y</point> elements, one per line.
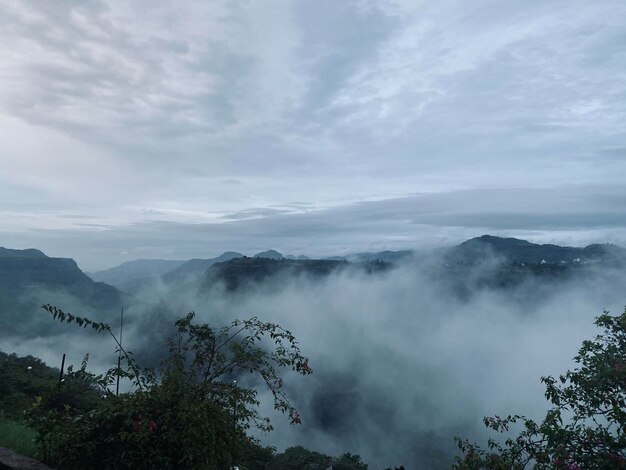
<point>207,356</point>
<point>66,317</point>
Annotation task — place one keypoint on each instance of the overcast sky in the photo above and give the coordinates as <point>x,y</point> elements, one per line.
<point>183,129</point>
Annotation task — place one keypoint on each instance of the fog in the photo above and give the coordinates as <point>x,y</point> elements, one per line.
<point>397,357</point>
<point>402,361</point>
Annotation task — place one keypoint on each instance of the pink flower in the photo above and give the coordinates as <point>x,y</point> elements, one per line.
<point>295,417</point>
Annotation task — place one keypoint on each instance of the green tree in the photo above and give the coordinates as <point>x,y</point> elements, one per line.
<point>189,416</point>
<point>300,458</point>
<point>585,428</point>
<point>349,461</point>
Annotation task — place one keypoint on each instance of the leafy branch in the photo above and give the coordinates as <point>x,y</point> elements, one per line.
<point>591,397</point>
<point>141,378</point>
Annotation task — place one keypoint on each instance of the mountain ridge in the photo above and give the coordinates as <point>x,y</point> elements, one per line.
<point>26,253</point>
<point>29,278</point>
<point>523,251</point>
<point>138,272</point>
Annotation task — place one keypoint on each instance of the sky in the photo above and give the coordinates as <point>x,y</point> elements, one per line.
<point>176,130</point>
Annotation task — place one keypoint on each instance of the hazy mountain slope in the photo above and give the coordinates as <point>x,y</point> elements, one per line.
<point>193,268</point>
<point>28,280</point>
<point>241,272</point>
<point>384,256</point>
<point>133,270</point>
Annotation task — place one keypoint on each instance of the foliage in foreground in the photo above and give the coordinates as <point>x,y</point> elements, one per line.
<point>21,380</point>
<point>299,458</point>
<point>190,417</point>
<point>17,437</point>
<point>585,427</point>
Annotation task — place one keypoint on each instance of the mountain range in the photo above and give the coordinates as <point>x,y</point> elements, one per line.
<point>29,278</point>
<point>132,275</point>
<point>475,250</point>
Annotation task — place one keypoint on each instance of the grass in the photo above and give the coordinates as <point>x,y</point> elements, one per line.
<point>17,437</point>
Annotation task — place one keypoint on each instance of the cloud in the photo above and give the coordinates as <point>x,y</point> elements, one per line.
<point>117,72</point>
<point>123,113</point>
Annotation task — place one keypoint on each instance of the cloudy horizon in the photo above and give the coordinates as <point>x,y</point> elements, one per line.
<point>311,128</point>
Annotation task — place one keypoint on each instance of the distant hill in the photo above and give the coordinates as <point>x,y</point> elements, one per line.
<point>269,254</point>
<point>296,257</point>
<point>380,256</point>
<point>193,268</point>
<point>142,275</point>
<point>29,278</point>
<point>135,270</point>
<point>384,256</point>
<point>522,251</point>
<point>241,272</point>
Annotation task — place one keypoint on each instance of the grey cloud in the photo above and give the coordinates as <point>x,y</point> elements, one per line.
<point>333,52</point>
<point>613,153</point>
<point>98,226</point>
<point>409,222</point>
<point>78,216</point>
<point>98,79</point>
<point>528,221</point>
<point>321,103</point>
<point>253,213</point>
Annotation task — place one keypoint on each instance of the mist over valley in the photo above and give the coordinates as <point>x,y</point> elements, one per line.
<point>409,349</point>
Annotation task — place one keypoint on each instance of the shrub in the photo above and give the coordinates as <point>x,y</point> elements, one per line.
<point>190,417</point>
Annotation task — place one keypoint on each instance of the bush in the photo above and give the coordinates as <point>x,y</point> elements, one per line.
<point>191,417</point>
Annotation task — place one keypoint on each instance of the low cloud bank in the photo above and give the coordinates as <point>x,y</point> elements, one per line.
<point>402,360</point>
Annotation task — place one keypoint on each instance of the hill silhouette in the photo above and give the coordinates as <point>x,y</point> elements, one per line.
<point>522,251</point>
<point>29,278</point>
